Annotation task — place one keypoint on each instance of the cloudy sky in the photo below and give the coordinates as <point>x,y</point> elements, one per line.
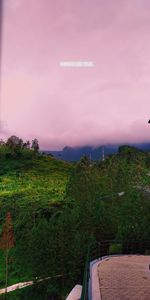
<point>108,103</point>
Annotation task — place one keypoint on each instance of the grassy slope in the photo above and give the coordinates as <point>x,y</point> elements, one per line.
<point>30,184</point>
<point>42,179</point>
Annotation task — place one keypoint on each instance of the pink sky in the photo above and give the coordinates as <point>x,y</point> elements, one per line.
<point>76,106</point>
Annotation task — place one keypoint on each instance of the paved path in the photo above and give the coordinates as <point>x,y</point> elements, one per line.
<point>124,278</point>
<point>21,285</point>
<point>16,286</point>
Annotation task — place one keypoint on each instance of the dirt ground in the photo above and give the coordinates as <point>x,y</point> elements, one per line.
<point>125,278</point>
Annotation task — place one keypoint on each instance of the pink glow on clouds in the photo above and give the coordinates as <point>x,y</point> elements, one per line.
<point>65,106</point>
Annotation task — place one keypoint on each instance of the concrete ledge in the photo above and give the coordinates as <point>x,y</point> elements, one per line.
<point>94,291</point>
<point>75,294</point>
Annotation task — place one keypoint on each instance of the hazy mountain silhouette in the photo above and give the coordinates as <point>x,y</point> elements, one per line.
<point>74,154</point>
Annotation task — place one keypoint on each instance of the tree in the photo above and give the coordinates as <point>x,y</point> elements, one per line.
<point>35,145</point>
<point>2,142</point>
<point>13,142</point>
<point>26,145</point>
<point>6,243</point>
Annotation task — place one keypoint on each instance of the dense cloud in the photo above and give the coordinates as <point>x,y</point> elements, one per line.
<point>107,103</point>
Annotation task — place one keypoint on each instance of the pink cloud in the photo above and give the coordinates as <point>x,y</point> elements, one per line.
<point>107,103</point>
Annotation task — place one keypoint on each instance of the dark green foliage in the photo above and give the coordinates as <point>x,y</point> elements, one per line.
<point>115,249</point>
<point>59,208</point>
<point>41,291</point>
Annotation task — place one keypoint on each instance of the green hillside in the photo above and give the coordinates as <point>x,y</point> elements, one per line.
<point>57,208</point>
<point>32,186</point>
<point>32,180</point>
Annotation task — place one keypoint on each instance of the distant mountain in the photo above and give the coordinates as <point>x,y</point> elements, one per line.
<point>74,154</point>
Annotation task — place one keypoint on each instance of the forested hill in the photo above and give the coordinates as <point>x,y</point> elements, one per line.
<point>56,208</point>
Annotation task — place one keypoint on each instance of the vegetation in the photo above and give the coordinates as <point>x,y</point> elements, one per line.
<point>58,208</point>
<point>115,249</point>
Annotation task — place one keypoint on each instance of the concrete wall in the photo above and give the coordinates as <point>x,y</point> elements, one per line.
<point>75,294</point>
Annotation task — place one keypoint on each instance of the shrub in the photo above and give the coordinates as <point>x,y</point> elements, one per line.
<point>115,249</point>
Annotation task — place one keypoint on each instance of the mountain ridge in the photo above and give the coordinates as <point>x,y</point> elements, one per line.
<point>94,153</point>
